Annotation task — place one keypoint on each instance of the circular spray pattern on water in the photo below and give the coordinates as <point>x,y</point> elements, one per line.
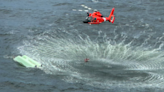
<point>110,63</point>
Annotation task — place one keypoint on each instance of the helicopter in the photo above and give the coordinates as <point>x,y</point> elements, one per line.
<point>96,17</point>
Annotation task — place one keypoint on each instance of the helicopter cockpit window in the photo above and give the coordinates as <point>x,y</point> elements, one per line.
<point>89,18</point>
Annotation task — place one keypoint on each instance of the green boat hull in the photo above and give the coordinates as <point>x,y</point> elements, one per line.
<point>26,61</point>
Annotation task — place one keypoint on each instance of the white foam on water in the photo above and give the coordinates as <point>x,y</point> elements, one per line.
<point>111,63</point>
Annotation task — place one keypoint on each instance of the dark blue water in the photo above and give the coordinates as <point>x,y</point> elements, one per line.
<point>126,56</point>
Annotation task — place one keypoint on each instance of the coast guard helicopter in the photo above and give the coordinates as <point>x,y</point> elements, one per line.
<point>96,17</point>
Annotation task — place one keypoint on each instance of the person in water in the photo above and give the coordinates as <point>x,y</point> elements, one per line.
<point>86,60</point>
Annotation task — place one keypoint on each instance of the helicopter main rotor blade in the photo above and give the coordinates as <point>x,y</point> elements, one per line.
<point>80,10</point>
<point>84,6</point>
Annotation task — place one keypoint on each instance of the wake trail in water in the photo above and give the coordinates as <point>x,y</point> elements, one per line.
<point>111,63</point>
